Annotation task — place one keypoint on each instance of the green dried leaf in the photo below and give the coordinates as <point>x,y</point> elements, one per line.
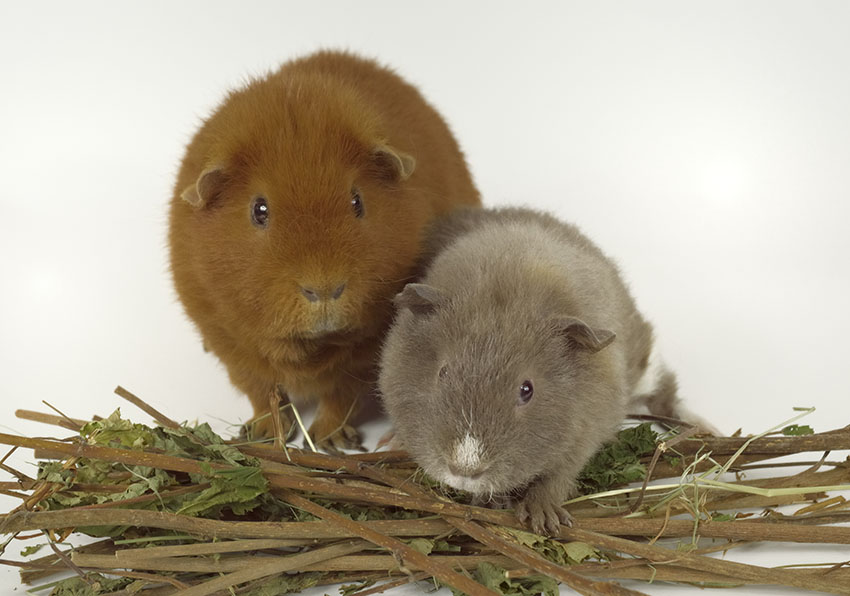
<point>31,550</point>
<point>797,430</point>
<point>618,462</point>
<point>100,584</point>
<point>422,545</point>
<point>237,489</point>
<point>358,512</point>
<point>579,551</point>
<point>494,578</point>
<point>285,584</point>
<point>443,546</point>
<point>569,553</point>
<point>347,589</point>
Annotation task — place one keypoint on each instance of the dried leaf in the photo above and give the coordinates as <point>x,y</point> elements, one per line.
<point>579,551</point>
<point>495,578</point>
<point>287,583</point>
<point>423,545</point>
<point>237,489</point>
<point>100,584</point>
<point>569,553</point>
<point>797,430</point>
<point>31,550</point>
<point>618,462</point>
<point>347,589</point>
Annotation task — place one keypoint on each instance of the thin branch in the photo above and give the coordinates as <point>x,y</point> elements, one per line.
<point>146,408</point>
<point>399,549</point>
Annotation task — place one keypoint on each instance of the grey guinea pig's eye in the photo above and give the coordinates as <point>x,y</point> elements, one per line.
<point>260,212</point>
<point>444,371</point>
<point>526,390</point>
<point>356,202</point>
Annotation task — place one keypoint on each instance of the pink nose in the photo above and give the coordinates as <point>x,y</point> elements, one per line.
<point>314,294</point>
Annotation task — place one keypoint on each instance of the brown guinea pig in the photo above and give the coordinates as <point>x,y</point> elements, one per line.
<point>297,215</point>
<point>515,359</point>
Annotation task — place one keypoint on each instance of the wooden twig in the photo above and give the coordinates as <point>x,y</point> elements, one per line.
<point>63,421</point>
<point>642,570</point>
<point>274,566</point>
<point>659,450</point>
<point>65,559</point>
<point>71,518</point>
<point>48,565</point>
<point>731,530</point>
<point>129,556</point>
<point>399,549</point>
<point>123,456</point>
<point>528,557</point>
<point>770,445</point>
<point>731,569</point>
<point>146,408</point>
<point>379,589</point>
<point>149,577</point>
<point>231,564</point>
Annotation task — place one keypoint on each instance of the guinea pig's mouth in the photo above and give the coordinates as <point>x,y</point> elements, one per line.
<point>476,486</point>
<point>339,335</point>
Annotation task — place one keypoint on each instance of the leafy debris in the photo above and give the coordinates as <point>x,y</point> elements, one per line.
<point>619,462</point>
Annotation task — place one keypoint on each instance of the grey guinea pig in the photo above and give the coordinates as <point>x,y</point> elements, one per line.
<point>516,358</point>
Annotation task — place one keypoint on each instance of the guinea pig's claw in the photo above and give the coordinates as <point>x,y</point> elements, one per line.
<point>346,437</point>
<point>543,516</point>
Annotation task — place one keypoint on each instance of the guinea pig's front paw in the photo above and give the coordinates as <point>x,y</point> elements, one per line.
<point>263,427</point>
<point>335,442</point>
<point>542,513</point>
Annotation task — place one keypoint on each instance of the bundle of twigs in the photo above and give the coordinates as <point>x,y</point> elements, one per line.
<point>178,510</point>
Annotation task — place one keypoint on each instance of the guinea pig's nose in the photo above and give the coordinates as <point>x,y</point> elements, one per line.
<point>314,295</point>
<point>310,295</point>
<point>466,472</point>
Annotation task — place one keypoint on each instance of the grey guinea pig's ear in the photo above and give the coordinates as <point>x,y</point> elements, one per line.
<point>392,164</point>
<point>582,336</point>
<point>420,299</point>
<point>206,188</point>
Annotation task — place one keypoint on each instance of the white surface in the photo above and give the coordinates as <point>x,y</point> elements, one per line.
<point>705,148</point>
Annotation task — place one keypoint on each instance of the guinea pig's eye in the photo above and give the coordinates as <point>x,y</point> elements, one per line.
<point>356,202</point>
<point>260,212</point>
<point>444,371</point>
<point>526,390</point>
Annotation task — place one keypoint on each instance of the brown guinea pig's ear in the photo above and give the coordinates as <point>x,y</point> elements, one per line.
<point>206,188</point>
<point>392,164</point>
<point>582,336</point>
<point>420,299</point>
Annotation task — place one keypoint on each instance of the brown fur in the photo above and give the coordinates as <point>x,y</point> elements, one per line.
<point>303,137</point>
<point>511,295</point>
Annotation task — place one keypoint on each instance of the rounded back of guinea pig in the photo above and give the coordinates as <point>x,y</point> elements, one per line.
<point>291,218</point>
<point>486,387</point>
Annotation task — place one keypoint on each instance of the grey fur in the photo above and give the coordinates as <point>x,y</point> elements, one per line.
<point>511,295</point>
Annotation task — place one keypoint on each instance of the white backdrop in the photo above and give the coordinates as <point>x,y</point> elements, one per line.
<point>706,147</point>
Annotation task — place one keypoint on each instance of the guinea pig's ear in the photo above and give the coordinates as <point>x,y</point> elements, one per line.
<point>420,299</point>
<point>206,188</point>
<point>582,336</point>
<point>392,164</point>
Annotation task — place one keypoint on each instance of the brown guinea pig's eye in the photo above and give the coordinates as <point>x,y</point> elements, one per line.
<point>526,390</point>
<point>444,371</point>
<point>356,203</point>
<point>260,212</point>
